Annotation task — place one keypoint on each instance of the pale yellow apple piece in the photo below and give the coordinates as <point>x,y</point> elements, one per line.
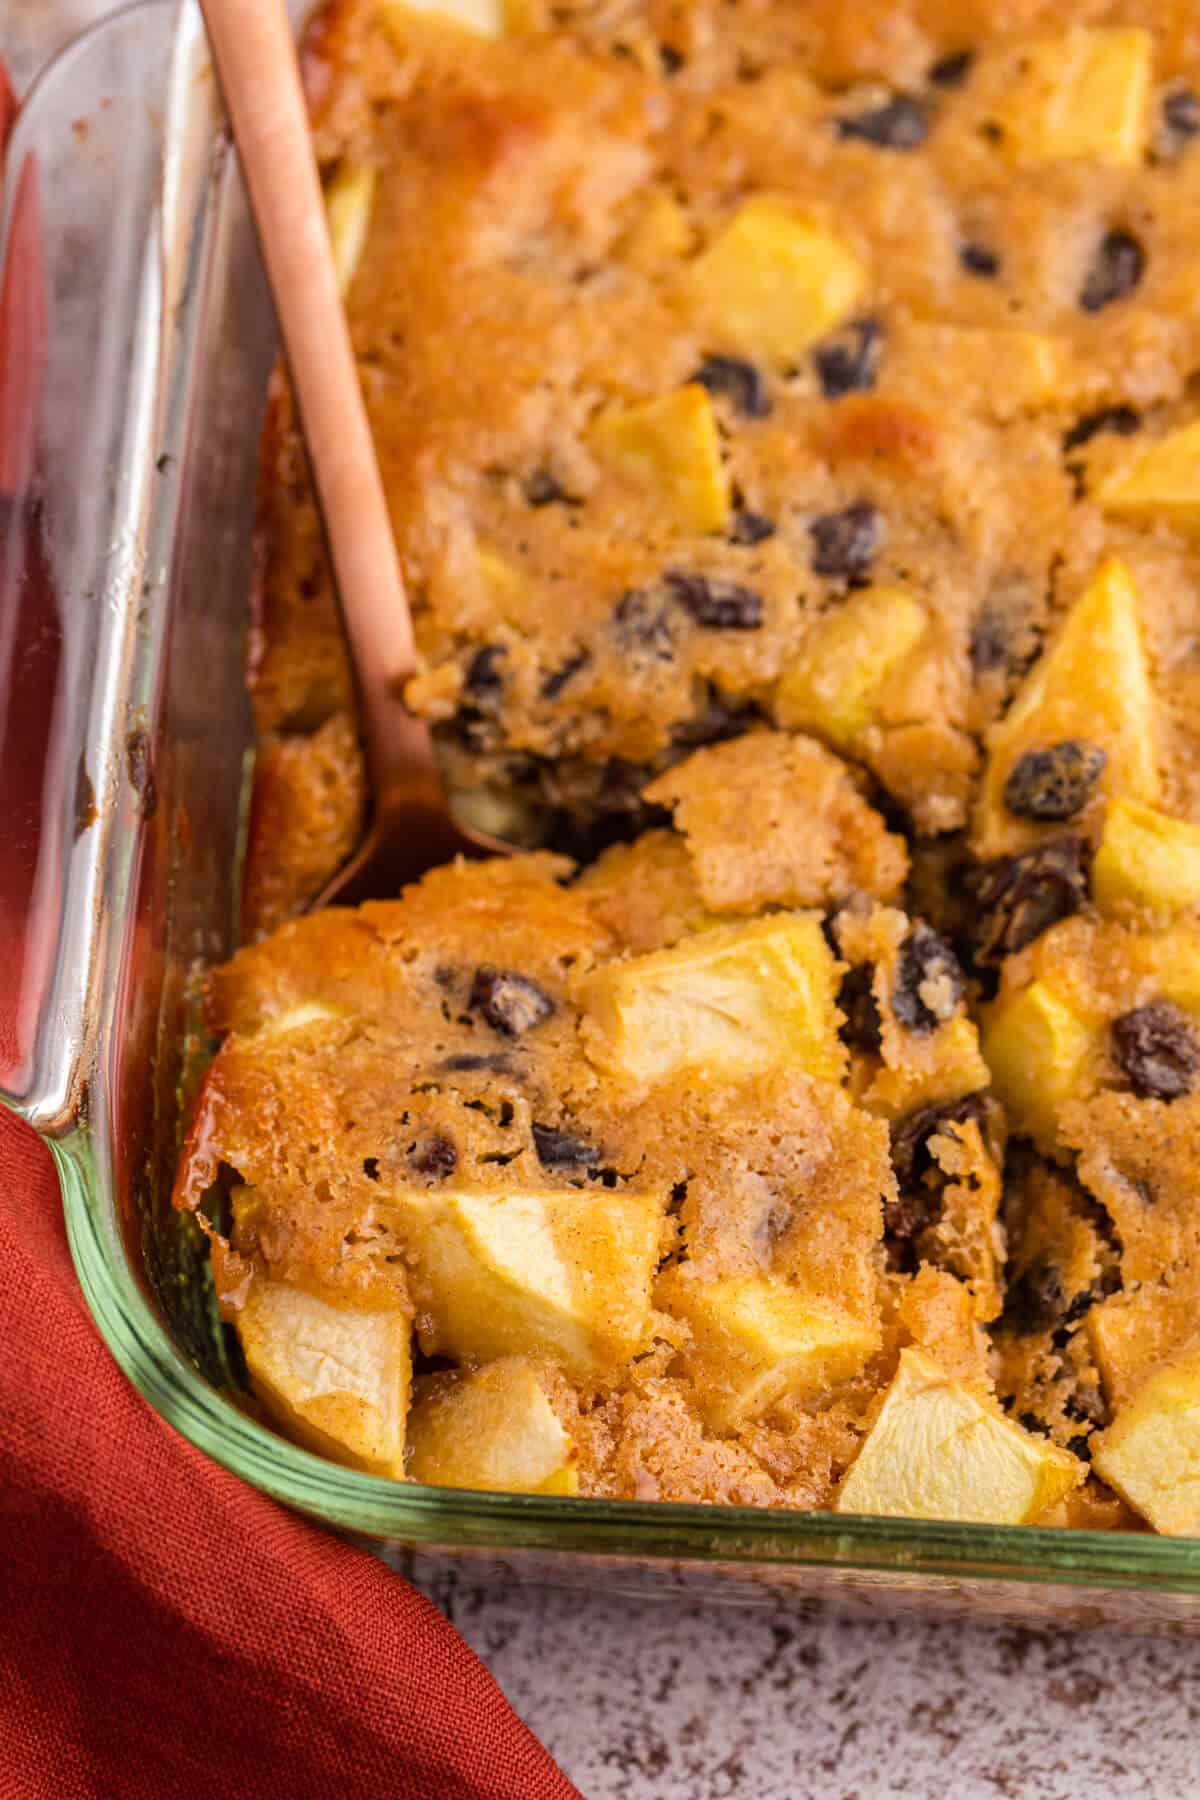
<point>1146,863</point>
<point>1151,1452</point>
<point>349,197</point>
<point>833,687</point>
<point>670,449</point>
<point>659,234</point>
<point>731,1002</point>
<point>1084,93</point>
<point>1036,1047</point>
<point>484,17</point>
<point>565,1275</point>
<point>507,586</point>
<point>936,1452</point>
<point>1162,481</point>
<point>298,1018</point>
<point>335,1379</point>
<point>755,1340</point>
<point>774,282</point>
<point>493,1429</point>
<point>1093,683</point>
<point>1121,1346</point>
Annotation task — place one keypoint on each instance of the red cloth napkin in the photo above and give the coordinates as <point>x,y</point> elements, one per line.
<point>165,1630</point>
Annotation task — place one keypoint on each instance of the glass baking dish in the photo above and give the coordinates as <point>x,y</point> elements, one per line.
<point>133,364</point>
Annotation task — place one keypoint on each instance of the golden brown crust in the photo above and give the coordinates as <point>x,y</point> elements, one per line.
<point>519,177</point>
<point>808,642</point>
<point>778,820</point>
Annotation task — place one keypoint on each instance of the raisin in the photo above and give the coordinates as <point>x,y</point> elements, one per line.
<point>718,605</point>
<point>901,123</point>
<point>911,1214</point>
<point>929,981</point>
<point>1087,1406</point>
<point>911,1134</point>
<point>977,259</point>
<point>1121,419</point>
<point>472,729</point>
<point>643,624</point>
<point>849,362</point>
<point>1034,1300</point>
<point>989,640</point>
<point>1004,636</point>
<point>951,71</point>
<point>562,1149</point>
<point>483,676</point>
<point>1082,1303</point>
<point>1156,1050</point>
<point>494,1064</point>
<point>722,718</point>
<point>919,1182</point>
<point>737,381</point>
<point>751,528</point>
<point>845,543</point>
<point>670,58</point>
<point>1118,267</point>
<point>557,680</point>
<point>511,1004</point>
<point>1019,897</point>
<point>1180,122</point>
<point>434,1155</point>
<point>1055,783</point>
<point>544,489</point>
<point>863,1028</point>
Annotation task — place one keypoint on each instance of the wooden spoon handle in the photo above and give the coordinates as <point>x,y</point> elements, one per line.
<point>256,59</point>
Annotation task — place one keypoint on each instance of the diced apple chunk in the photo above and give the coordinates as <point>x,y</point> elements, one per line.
<point>1161,482</point>
<point>349,198</point>
<point>1081,94</point>
<point>774,282</point>
<point>485,17</point>
<point>936,1452</point>
<point>334,1379</point>
<point>660,232</point>
<point>1093,685</point>
<point>834,686</point>
<point>298,1018</point>
<point>1151,1452</point>
<point>731,1002</point>
<point>493,1429</point>
<point>755,1340</point>
<point>670,448</point>
<point>1036,1046</point>
<point>1146,863</point>
<point>565,1275</point>
<point>507,586</point>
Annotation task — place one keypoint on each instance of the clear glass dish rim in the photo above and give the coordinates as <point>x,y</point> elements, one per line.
<point>591,1529</point>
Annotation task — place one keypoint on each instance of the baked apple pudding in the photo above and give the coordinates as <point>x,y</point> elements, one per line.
<point>789,420</point>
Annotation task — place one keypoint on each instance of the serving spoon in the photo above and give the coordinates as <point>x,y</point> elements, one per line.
<point>411,826</point>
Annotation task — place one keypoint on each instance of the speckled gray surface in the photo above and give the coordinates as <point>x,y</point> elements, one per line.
<point>673,1701</point>
<point>645,1701</point>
